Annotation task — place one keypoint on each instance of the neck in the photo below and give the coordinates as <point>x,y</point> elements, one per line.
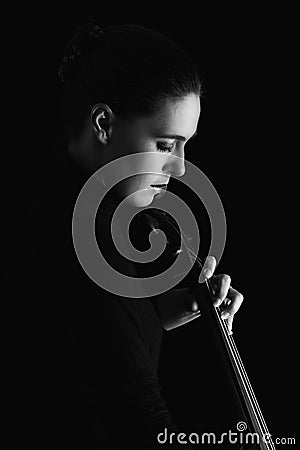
<point>85,151</point>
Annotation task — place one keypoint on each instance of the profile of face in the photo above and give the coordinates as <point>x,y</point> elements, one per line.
<point>165,133</point>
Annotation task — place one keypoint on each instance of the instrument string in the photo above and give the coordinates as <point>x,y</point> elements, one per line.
<point>249,397</point>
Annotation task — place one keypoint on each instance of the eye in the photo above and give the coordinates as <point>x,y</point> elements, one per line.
<point>165,148</point>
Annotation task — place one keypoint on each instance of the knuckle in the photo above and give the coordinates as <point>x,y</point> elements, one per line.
<point>234,308</point>
<point>237,303</point>
<point>240,297</point>
<point>226,279</point>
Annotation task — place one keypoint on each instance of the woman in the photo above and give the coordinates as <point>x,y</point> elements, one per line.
<point>126,90</point>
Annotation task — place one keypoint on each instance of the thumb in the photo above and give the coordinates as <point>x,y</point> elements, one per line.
<point>208,268</point>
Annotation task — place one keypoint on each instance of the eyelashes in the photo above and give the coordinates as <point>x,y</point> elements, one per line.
<point>165,148</point>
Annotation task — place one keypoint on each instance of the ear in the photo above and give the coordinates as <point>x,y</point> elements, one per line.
<point>101,118</point>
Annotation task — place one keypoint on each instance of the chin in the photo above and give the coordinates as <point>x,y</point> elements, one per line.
<point>140,199</point>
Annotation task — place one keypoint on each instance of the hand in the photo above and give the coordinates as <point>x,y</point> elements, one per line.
<point>225,296</point>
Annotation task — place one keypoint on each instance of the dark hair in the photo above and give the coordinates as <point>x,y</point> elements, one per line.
<point>129,67</point>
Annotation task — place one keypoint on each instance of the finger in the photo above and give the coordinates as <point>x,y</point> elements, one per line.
<point>208,268</point>
<point>216,284</point>
<point>236,299</point>
<point>229,324</point>
<point>222,286</point>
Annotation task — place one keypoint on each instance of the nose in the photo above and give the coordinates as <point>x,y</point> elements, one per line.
<point>175,165</point>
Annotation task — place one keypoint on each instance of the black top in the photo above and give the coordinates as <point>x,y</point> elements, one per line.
<point>82,362</point>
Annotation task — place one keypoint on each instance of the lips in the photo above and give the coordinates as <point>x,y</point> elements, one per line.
<point>158,186</point>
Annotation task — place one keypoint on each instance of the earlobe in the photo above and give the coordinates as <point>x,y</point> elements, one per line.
<point>101,119</point>
<point>102,135</point>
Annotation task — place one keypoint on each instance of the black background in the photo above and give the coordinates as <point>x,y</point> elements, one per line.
<point>240,146</point>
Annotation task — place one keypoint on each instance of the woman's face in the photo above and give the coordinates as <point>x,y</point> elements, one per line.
<point>165,133</point>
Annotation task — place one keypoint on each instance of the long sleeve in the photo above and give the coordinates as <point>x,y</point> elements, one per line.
<point>86,370</point>
<point>133,333</point>
<point>123,391</point>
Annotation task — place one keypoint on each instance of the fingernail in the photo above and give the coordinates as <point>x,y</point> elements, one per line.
<point>207,273</point>
<point>225,315</point>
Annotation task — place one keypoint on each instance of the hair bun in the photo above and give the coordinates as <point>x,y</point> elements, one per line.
<point>86,38</point>
<point>84,41</point>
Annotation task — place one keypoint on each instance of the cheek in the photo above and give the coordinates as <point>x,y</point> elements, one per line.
<point>132,140</point>
<point>134,184</point>
<point>138,182</point>
<point>146,169</point>
<point>136,191</point>
<point>152,164</point>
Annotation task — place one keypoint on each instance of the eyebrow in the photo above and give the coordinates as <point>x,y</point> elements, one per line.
<point>176,136</point>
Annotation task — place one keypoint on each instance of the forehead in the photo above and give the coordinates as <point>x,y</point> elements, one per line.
<point>177,116</point>
<point>172,117</point>
<point>173,111</point>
